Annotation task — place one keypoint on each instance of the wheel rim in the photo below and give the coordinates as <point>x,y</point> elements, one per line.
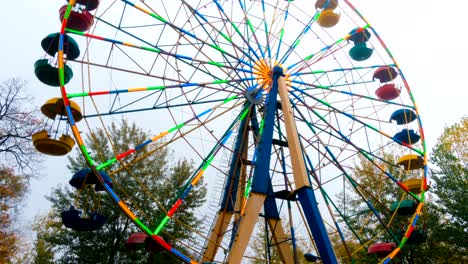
<point>217,63</point>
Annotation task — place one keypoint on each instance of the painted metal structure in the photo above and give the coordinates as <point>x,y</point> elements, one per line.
<point>294,93</point>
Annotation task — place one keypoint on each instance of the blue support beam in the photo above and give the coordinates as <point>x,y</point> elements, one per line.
<point>314,220</point>
<point>262,184</point>
<point>232,183</point>
<point>261,178</point>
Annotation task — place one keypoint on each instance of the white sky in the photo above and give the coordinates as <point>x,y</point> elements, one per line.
<point>427,39</point>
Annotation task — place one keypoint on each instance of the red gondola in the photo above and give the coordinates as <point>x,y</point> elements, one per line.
<point>385,74</point>
<point>89,4</point>
<point>388,92</point>
<point>135,241</point>
<point>381,249</point>
<point>80,20</point>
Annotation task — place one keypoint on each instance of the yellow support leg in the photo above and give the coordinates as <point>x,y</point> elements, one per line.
<point>246,226</point>
<point>217,234</point>
<point>297,160</point>
<point>280,239</point>
<point>224,218</point>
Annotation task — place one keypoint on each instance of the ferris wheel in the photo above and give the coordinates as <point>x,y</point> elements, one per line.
<point>287,109</point>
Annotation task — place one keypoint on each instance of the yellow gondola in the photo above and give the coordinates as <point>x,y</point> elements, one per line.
<point>328,18</point>
<point>55,106</point>
<point>321,4</point>
<point>411,162</point>
<point>414,185</point>
<point>46,145</point>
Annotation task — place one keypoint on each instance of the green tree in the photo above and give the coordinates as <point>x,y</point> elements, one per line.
<point>265,250</point>
<point>145,185</point>
<point>370,185</point>
<point>376,188</point>
<point>444,217</point>
<point>450,156</point>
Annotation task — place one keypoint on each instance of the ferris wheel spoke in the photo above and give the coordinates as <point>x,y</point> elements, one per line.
<point>159,51</point>
<point>212,37</point>
<point>297,40</point>
<point>154,88</point>
<point>113,68</point>
<point>335,78</point>
<point>228,37</point>
<point>236,29</point>
<point>266,30</point>
<point>150,108</point>
<point>364,153</point>
<point>178,136</point>
<point>281,32</point>
<point>174,101</point>
<point>338,70</point>
<point>186,62</point>
<point>355,119</point>
<point>198,173</point>
<point>167,104</point>
<point>354,184</point>
<point>159,136</point>
<point>185,32</point>
<point>304,63</point>
<point>252,29</point>
<point>344,92</point>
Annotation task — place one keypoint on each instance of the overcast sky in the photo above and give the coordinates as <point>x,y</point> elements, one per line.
<point>427,39</point>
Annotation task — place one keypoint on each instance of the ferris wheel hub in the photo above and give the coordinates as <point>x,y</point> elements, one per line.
<point>264,73</point>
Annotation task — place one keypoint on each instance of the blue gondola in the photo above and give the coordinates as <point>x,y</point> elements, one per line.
<point>403,116</point>
<point>86,176</point>
<point>407,136</point>
<point>360,52</point>
<point>359,35</point>
<point>311,257</point>
<point>72,219</point>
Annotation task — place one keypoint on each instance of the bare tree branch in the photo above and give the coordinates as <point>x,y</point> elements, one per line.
<point>19,119</point>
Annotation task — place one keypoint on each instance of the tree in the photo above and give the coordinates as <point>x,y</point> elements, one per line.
<point>372,186</point>
<point>17,124</point>
<point>450,155</point>
<point>444,217</point>
<point>12,190</point>
<point>18,159</point>
<point>377,188</point>
<point>265,250</point>
<point>157,176</point>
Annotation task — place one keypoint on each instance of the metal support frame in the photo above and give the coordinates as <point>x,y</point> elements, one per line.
<point>261,183</point>
<point>302,182</point>
<point>261,177</point>
<point>228,202</point>
<point>315,222</point>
